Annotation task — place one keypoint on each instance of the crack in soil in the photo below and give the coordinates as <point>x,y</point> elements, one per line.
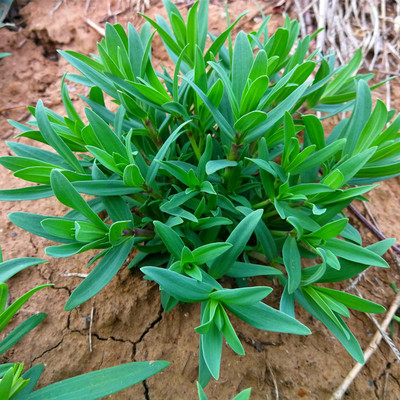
<point>146,390</point>
<point>395,378</point>
<point>61,288</point>
<point>48,350</point>
<point>53,287</point>
<point>97,336</point>
<point>33,245</point>
<point>149,328</point>
<point>142,336</point>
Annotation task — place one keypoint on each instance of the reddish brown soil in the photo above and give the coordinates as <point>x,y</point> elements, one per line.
<point>128,322</point>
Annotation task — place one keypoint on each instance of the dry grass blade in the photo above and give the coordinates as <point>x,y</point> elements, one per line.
<point>369,25</point>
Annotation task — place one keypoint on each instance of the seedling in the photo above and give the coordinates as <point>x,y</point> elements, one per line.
<point>219,169</point>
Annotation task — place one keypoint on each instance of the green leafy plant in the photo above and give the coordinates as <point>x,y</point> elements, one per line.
<point>217,168</point>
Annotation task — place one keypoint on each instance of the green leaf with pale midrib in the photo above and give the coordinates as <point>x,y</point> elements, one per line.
<point>99,384</point>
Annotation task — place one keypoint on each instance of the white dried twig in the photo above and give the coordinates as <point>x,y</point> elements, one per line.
<point>373,345</point>
<point>385,336</point>
<point>275,383</point>
<point>96,27</point>
<point>87,5</point>
<point>56,7</point>
<point>90,329</point>
<point>83,276</point>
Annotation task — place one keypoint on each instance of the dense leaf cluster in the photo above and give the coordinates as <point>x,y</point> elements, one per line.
<point>220,167</point>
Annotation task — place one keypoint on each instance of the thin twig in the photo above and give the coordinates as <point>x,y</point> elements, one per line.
<point>373,219</point>
<point>373,345</point>
<point>115,14</point>
<point>322,16</point>
<point>300,14</point>
<point>56,7</point>
<point>87,5</point>
<point>96,27</point>
<point>384,72</point>
<point>272,377</point>
<point>371,227</point>
<point>90,330</point>
<point>83,276</point>
<point>385,336</point>
<point>385,53</point>
<point>12,107</point>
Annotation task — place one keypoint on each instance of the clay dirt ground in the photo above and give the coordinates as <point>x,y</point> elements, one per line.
<point>128,323</point>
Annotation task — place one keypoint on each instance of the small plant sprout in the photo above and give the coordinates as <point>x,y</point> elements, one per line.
<point>217,168</point>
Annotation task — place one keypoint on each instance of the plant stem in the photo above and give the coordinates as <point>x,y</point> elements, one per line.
<point>270,214</point>
<point>153,134</point>
<point>194,145</point>
<point>262,204</point>
<point>232,156</point>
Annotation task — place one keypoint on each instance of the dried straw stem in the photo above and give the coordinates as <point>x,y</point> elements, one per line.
<point>373,345</point>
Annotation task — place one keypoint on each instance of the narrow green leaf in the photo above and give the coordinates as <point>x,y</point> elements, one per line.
<point>54,140</point>
<point>266,318</point>
<point>249,121</point>
<point>101,383</point>
<point>329,230</point>
<point>14,307</point>
<point>243,395</point>
<point>170,238</point>
<point>26,193</point>
<point>320,156</point>
<point>354,302</point>
<point>245,270</point>
<point>212,349</point>
<point>155,165</point>
<point>241,64</point>
<point>242,296</point>
<point>353,252</point>
<point>226,129</point>
<point>69,196</point>
<point>102,274</point>
<point>216,165</point>
<point>292,262</point>
<point>184,289</point>
<point>11,267</point>
<point>206,253</point>
<point>108,139</point>
<point>20,331</point>
<point>238,238</point>
<point>348,341</point>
